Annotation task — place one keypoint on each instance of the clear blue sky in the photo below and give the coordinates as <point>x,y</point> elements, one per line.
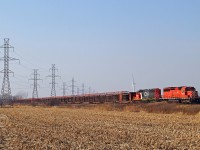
<point>102,42</point>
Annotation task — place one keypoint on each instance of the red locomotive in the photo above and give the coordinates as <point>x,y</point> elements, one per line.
<point>181,93</point>
<point>146,95</point>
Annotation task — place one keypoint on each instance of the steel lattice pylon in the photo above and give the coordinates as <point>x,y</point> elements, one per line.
<point>83,89</point>
<point>6,96</point>
<point>53,82</point>
<point>64,88</point>
<point>35,84</point>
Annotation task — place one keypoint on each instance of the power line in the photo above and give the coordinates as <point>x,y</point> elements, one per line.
<point>35,84</point>
<point>20,81</point>
<point>20,76</point>
<point>28,61</point>
<point>6,89</point>
<point>26,67</point>
<point>20,88</point>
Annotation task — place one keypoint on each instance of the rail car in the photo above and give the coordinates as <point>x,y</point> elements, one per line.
<point>183,94</point>
<point>110,97</point>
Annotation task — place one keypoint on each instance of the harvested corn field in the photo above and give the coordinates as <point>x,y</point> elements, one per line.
<point>79,128</point>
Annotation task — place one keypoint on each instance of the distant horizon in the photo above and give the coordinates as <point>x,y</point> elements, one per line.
<point>101,44</point>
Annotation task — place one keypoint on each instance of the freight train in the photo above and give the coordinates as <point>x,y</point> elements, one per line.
<point>183,94</point>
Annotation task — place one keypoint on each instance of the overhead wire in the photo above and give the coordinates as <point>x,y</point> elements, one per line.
<point>19,88</point>
<point>18,81</point>
<point>28,61</point>
<point>19,78</point>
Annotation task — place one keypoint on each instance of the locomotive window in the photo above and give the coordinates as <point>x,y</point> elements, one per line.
<point>166,90</point>
<point>187,89</point>
<point>190,89</point>
<point>179,88</point>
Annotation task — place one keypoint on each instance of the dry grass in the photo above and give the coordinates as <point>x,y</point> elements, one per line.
<point>169,108</point>
<point>159,107</point>
<point>98,128</point>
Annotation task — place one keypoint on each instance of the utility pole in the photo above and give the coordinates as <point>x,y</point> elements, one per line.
<point>83,89</point>
<point>64,88</point>
<point>53,82</point>
<point>35,84</point>
<point>6,96</point>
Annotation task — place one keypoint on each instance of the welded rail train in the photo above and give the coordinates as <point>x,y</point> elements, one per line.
<point>183,94</point>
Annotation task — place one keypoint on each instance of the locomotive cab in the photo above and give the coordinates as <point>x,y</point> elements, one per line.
<point>191,92</point>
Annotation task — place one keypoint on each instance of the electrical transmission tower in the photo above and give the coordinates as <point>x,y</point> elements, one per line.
<point>6,96</point>
<point>83,89</point>
<point>64,88</point>
<point>89,90</point>
<point>53,82</point>
<point>77,91</point>
<point>73,85</point>
<point>35,84</point>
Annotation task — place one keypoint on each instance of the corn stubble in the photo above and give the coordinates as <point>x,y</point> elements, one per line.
<point>68,128</point>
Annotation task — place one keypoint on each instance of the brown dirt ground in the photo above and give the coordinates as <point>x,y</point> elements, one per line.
<point>80,128</point>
